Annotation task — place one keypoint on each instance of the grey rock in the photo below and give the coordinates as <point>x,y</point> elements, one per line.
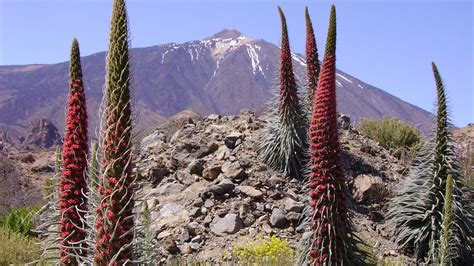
<point>163,234</point>
<point>155,175</point>
<point>276,195</point>
<point>245,163</point>
<point>292,194</point>
<point>278,219</point>
<point>203,210</point>
<point>207,220</point>
<point>231,139</point>
<point>195,212</point>
<point>275,181</point>
<point>233,170</point>
<point>194,246</point>
<point>198,202</point>
<point>184,177</point>
<point>184,236</point>
<point>248,220</point>
<point>152,140</point>
<point>293,206</point>
<point>226,185</point>
<point>229,224</point>
<point>367,188</point>
<point>169,209</point>
<point>222,153</point>
<point>197,239</point>
<point>170,189</point>
<point>206,150</point>
<point>293,217</point>
<point>267,229</point>
<point>195,228</point>
<point>196,167</point>
<point>259,206</point>
<point>250,191</point>
<point>245,209</point>
<point>208,203</point>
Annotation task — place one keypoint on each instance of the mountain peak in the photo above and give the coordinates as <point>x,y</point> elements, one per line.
<point>226,34</point>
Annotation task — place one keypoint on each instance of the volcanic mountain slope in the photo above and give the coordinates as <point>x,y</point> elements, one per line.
<point>223,74</point>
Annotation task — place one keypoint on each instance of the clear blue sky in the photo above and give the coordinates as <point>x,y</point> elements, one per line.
<point>389,44</point>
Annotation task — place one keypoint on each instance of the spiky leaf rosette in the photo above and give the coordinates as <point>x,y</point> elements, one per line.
<point>283,140</point>
<point>312,61</point>
<point>49,215</point>
<point>73,185</point>
<point>331,241</point>
<point>93,196</point>
<point>115,220</point>
<point>416,213</point>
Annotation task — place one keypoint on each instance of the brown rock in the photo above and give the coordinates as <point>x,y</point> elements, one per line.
<point>211,172</point>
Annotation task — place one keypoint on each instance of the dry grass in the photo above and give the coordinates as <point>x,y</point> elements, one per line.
<point>17,249</point>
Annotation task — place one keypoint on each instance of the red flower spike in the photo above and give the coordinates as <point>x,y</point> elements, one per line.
<point>74,165</point>
<point>326,177</point>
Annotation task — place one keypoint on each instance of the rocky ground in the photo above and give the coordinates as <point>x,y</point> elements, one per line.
<point>208,191</point>
<point>25,162</point>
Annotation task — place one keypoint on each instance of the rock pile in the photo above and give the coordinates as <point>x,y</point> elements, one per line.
<point>208,190</point>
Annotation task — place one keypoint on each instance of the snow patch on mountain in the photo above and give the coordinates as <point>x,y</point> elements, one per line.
<point>253,55</point>
<point>344,78</point>
<point>298,59</point>
<point>220,47</point>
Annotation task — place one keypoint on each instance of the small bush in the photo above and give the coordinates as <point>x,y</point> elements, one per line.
<point>394,134</point>
<point>17,249</point>
<point>18,220</point>
<point>270,250</point>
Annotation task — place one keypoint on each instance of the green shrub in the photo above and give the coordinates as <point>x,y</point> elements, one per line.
<point>18,220</point>
<point>270,250</point>
<point>17,249</point>
<point>394,134</point>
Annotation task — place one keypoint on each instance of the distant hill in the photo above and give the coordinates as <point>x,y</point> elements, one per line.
<point>223,74</point>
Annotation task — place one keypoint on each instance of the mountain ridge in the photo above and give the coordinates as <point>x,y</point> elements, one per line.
<point>223,73</point>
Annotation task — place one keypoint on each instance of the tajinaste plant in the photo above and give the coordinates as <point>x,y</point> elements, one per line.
<point>115,218</point>
<point>282,144</point>
<point>312,62</point>
<point>416,213</point>
<point>72,184</point>
<point>331,241</point>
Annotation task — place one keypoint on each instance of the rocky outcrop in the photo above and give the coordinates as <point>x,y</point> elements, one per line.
<point>42,133</point>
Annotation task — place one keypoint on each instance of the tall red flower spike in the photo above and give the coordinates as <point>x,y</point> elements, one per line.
<point>115,219</point>
<point>312,61</point>
<point>282,143</point>
<point>289,101</point>
<point>73,185</point>
<point>326,177</point>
